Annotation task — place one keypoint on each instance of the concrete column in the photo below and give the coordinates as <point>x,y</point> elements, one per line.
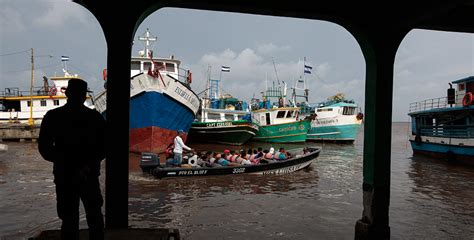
<point>379,48</point>
<point>119,43</point>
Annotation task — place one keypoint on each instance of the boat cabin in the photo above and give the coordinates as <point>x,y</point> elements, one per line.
<point>142,63</point>
<point>264,117</point>
<point>337,109</point>
<point>449,117</point>
<point>219,115</point>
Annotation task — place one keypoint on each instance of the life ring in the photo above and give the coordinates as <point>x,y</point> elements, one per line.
<point>467,99</point>
<point>53,91</point>
<point>360,116</point>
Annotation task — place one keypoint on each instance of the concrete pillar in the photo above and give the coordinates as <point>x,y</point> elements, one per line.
<point>118,102</point>
<point>379,46</point>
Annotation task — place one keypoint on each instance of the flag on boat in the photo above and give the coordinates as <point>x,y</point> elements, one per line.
<point>225,69</point>
<point>64,58</point>
<point>307,69</point>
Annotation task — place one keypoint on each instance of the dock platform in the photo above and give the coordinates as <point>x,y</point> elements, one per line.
<point>18,132</point>
<point>118,234</point>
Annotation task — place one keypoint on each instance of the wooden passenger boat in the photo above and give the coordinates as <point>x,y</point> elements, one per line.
<point>150,164</point>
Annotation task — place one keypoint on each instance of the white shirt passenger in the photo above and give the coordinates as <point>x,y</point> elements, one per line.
<point>179,145</point>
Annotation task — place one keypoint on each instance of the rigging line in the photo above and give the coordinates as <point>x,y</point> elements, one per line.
<point>13,53</point>
<point>36,68</point>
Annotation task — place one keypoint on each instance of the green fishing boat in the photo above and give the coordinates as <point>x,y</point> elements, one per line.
<point>222,119</point>
<point>280,125</point>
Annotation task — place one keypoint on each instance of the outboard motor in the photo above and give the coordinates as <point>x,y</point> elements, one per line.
<point>149,161</point>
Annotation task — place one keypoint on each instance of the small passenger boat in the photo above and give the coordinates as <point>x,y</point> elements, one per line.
<point>150,164</point>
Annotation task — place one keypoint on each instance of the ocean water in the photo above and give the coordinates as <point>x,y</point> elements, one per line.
<point>430,199</point>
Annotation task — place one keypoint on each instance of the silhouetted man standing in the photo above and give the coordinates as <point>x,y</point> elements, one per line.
<point>73,138</point>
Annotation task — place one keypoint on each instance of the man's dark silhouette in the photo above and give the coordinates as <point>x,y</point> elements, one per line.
<point>72,137</point>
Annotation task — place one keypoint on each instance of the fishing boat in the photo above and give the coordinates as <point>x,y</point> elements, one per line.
<point>443,127</point>
<point>336,120</point>
<point>150,164</point>
<point>28,106</point>
<point>222,119</point>
<point>161,100</point>
<point>278,122</point>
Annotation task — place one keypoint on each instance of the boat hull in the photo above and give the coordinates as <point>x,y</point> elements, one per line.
<point>464,154</point>
<point>159,107</point>
<point>283,133</point>
<point>338,133</point>
<point>230,132</point>
<point>154,121</point>
<point>278,167</point>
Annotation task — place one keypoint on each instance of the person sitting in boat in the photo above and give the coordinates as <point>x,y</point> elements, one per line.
<point>227,155</point>
<point>221,160</point>
<point>248,154</point>
<point>169,151</point>
<point>281,154</point>
<point>254,159</point>
<point>269,154</point>
<point>260,153</point>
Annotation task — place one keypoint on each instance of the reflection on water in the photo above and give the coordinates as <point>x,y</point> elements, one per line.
<point>430,199</point>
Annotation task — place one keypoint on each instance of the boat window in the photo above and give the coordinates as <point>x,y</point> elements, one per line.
<point>214,116</point>
<point>135,65</point>
<point>28,103</point>
<point>56,102</point>
<point>267,115</point>
<point>324,109</point>
<point>289,114</point>
<point>281,114</point>
<point>461,87</point>
<point>146,66</point>
<point>229,117</point>
<point>43,103</point>
<point>348,111</point>
<point>170,67</point>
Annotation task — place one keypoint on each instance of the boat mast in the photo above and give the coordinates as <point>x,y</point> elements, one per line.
<point>30,120</point>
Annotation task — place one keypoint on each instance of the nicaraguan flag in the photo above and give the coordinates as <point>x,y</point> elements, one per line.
<point>64,58</point>
<point>225,69</point>
<point>307,69</point>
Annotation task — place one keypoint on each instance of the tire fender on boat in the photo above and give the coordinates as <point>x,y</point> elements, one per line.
<point>467,99</point>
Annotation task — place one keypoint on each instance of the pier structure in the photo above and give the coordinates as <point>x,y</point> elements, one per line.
<point>379,29</point>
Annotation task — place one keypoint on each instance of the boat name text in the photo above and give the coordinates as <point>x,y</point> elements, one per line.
<point>219,124</point>
<point>192,100</point>
<point>192,172</point>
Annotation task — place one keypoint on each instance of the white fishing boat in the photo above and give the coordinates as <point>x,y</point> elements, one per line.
<point>161,100</point>
<point>337,119</point>
<point>28,106</point>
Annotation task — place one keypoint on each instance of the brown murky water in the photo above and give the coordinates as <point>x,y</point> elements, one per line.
<point>430,199</point>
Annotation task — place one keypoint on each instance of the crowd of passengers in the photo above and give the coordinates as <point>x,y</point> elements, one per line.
<point>230,158</point>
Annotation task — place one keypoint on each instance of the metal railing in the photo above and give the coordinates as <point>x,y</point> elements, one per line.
<point>435,103</point>
<point>451,131</point>
<point>15,92</point>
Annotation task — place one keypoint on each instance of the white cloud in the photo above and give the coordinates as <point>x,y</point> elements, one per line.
<point>270,48</point>
<point>11,21</point>
<point>60,12</point>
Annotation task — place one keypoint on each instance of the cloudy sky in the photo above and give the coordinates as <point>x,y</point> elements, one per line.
<point>252,46</point>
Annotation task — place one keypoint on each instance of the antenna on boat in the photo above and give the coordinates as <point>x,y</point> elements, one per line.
<point>276,73</point>
<point>147,38</point>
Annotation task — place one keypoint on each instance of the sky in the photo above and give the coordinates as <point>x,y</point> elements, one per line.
<point>254,47</point>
